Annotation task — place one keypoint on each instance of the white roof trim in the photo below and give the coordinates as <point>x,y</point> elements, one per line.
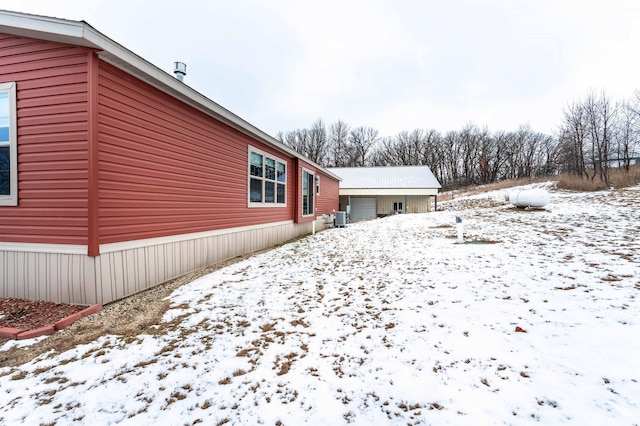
<point>400,178</point>
<point>389,191</point>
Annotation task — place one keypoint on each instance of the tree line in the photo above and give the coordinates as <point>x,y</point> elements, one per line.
<point>594,135</point>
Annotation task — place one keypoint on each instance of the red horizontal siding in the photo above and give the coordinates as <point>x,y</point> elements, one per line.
<point>39,175</point>
<point>77,203</point>
<point>62,140</point>
<point>51,180</point>
<point>41,95</point>
<point>324,203</point>
<point>52,141</point>
<point>54,157</point>
<point>52,166</point>
<point>61,98</point>
<point>47,62</point>
<point>328,200</point>
<point>166,168</point>
<point>38,212</point>
<point>52,127</point>
<point>43,238</point>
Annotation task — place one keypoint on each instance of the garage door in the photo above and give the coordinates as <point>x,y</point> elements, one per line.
<point>363,208</point>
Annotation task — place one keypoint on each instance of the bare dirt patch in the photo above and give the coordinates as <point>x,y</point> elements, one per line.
<point>29,315</point>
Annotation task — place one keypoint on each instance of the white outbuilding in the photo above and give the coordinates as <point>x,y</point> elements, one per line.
<point>370,192</point>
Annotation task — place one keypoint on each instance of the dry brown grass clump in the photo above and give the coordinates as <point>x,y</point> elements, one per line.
<point>618,178</point>
<point>580,183</point>
<point>622,179</point>
<point>479,189</point>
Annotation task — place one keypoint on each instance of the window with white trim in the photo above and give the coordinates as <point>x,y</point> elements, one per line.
<point>308,189</point>
<point>397,206</point>
<point>267,179</point>
<point>8,146</point>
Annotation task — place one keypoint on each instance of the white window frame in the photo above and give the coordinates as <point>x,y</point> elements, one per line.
<point>398,206</point>
<point>264,179</point>
<point>12,198</point>
<point>312,192</point>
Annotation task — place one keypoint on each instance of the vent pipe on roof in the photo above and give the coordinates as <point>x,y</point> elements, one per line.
<point>180,70</point>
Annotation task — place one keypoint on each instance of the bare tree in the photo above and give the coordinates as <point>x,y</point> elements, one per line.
<point>601,115</point>
<point>634,104</point>
<point>318,144</point>
<point>386,154</point>
<point>361,141</point>
<point>339,141</point>
<point>573,136</point>
<point>451,149</point>
<point>548,164</point>
<point>296,140</point>
<point>531,151</point>
<point>313,143</point>
<point>502,141</point>
<point>464,157</point>
<point>292,140</point>
<point>627,135</point>
<point>402,150</point>
<point>470,139</point>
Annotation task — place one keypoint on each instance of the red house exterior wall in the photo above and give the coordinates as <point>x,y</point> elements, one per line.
<point>51,82</point>
<point>163,167</point>
<point>328,200</point>
<point>121,185</point>
<point>167,168</point>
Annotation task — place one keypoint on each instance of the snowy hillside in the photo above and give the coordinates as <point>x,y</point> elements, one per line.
<point>535,319</point>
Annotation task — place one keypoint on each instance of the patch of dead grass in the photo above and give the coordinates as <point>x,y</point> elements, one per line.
<point>618,178</point>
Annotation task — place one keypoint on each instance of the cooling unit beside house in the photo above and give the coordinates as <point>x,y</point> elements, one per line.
<point>340,219</point>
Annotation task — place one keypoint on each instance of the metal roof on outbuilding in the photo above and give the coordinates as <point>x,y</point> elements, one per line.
<point>397,177</point>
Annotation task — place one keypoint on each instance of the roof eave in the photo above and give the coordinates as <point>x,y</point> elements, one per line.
<point>388,191</point>
<point>80,33</point>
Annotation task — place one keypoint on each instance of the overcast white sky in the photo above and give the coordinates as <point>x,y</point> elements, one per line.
<point>393,65</point>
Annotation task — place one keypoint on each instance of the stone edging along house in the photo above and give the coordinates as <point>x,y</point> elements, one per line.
<point>370,192</point>
<point>116,176</point>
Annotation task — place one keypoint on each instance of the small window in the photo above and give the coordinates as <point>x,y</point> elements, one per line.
<point>397,207</point>
<point>8,146</point>
<point>267,180</point>
<point>308,188</point>
<point>281,178</point>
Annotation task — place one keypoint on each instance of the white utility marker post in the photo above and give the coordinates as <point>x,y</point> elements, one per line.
<point>459,229</point>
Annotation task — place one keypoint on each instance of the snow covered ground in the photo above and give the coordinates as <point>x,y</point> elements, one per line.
<point>384,322</point>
